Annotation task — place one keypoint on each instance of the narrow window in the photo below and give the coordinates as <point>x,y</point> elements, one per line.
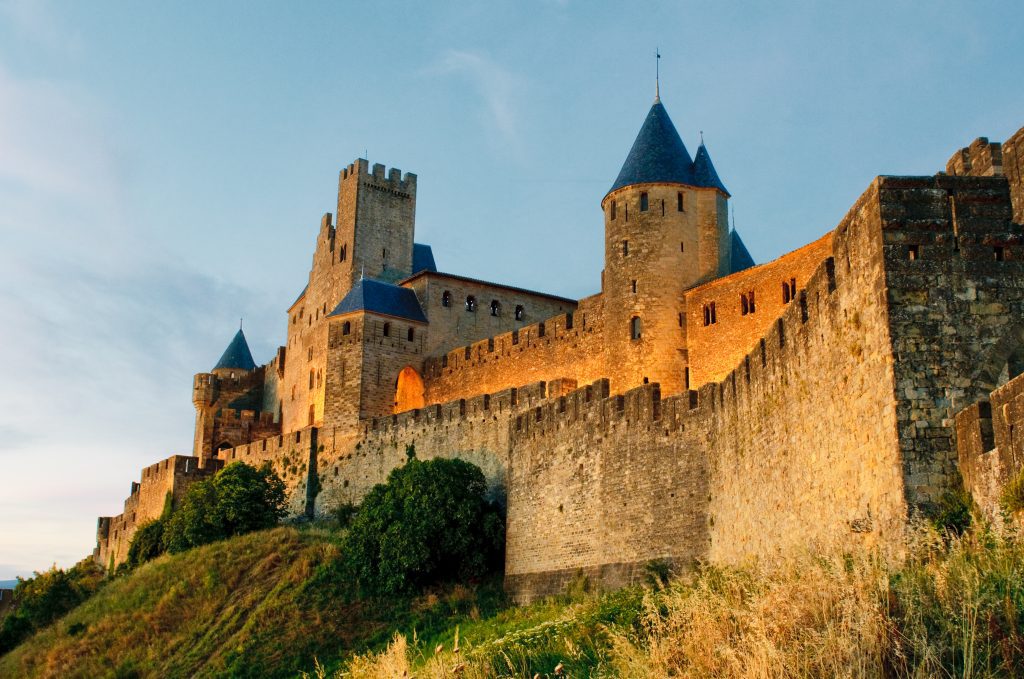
<point>785,292</point>
<point>744,305</point>
<point>680,319</point>
<point>753,306</point>
<point>682,247</point>
<point>643,201</point>
<point>540,330</point>
<point>686,377</point>
<point>662,208</point>
<point>520,312</point>
<point>311,375</point>
<point>470,303</point>
<point>709,314</point>
<point>387,330</point>
<point>627,211</point>
<point>914,252</point>
<point>625,248</point>
<point>792,289</point>
<point>495,307</point>
<point>411,334</point>
<point>384,253</point>
<point>446,298</point>
<point>679,202</point>
<point>634,287</point>
<point>312,414</point>
<point>714,319</point>
<point>635,327</point>
<point>613,210</point>
<point>999,253</point>
<point>309,354</point>
<point>346,328</point>
<point>341,253</point>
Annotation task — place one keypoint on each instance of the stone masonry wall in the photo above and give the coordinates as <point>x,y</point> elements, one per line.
<point>146,502</point>
<point>990,445</point>
<point>713,350</point>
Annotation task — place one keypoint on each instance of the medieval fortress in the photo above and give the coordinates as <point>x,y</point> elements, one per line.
<point>698,407</point>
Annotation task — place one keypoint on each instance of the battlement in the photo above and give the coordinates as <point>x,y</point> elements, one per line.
<point>380,177</point>
<point>981,158</point>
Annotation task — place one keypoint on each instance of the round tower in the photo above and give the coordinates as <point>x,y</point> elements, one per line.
<point>666,230</point>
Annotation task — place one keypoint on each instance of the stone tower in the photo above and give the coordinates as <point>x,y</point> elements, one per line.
<point>235,384</point>
<point>666,230</point>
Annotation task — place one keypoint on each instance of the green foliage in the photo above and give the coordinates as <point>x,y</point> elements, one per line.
<point>238,499</point>
<point>147,543</point>
<point>429,523</point>
<point>40,600</point>
<point>1013,494</point>
<point>410,452</point>
<point>344,513</point>
<point>951,513</point>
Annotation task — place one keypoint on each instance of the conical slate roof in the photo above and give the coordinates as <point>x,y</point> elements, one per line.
<point>237,356</point>
<point>704,171</point>
<point>658,154</point>
<point>382,298</point>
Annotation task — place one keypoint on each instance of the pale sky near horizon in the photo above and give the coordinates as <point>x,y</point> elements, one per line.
<point>164,167</point>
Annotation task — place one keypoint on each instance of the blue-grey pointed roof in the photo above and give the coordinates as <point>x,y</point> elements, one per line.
<point>382,298</point>
<point>704,171</point>
<point>237,356</point>
<point>658,154</point>
<point>422,258</point>
<point>740,256</point>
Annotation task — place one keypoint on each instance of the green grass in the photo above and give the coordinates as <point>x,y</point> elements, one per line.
<point>267,605</point>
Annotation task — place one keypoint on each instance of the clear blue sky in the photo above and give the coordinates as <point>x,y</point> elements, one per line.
<point>163,169</point>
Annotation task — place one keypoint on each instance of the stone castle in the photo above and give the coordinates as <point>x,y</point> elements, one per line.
<point>698,407</point>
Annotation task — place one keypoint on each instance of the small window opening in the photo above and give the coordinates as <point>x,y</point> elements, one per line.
<point>1000,253</point>
<point>384,253</point>
<point>663,208</point>
<point>309,354</point>
<point>747,303</point>
<point>635,327</point>
<point>785,293</point>
<point>679,202</point>
<point>312,414</point>
<point>312,375</point>
<point>680,319</point>
<point>470,303</point>
<point>411,334</point>
<point>446,298</point>
<point>686,377</point>
<point>520,312</point>
<point>495,307</point>
<point>682,247</point>
<point>709,314</point>
<point>342,251</point>
<point>387,330</point>
<point>346,328</point>
<point>626,206</point>
<point>633,284</point>
<point>540,330</point>
<point>643,201</point>
<point>613,210</point>
<point>914,252</point>
<point>625,248</point>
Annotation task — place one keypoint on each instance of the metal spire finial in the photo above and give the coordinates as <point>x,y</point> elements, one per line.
<point>657,75</point>
<point>240,323</point>
<point>702,136</point>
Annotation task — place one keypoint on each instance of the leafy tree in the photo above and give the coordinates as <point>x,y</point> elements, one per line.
<point>431,522</point>
<point>147,543</point>
<point>41,599</point>
<point>238,499</point>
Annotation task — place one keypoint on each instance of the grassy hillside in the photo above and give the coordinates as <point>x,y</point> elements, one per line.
<point>252,606</point>
<point>261,605</point>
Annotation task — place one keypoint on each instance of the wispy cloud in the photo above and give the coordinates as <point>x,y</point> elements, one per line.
<point>500,90</point>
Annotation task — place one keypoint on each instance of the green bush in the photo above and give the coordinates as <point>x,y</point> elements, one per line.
<point>147,543</point>
<point>430,523</point>
<point>238,499</point>
<point>1013,494</point>
<point>40,600</point>
<point>951,513</point>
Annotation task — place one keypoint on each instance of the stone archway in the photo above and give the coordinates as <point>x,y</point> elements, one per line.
<point>1002,361</point>
<point>408,390</point>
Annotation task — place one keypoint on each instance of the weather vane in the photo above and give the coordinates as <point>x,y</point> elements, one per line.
<point>657,74</point>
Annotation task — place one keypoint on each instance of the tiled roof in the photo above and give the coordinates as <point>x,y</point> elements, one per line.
<point>382,298</point>
<point>704,171</point>
<point>422,258</point>
<point>658,154</point>
<point>740,256</point>
<point>237,356</point>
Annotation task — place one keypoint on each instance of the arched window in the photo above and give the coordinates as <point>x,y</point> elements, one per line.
<point>495,307</point>
<point>346,328</point>
<point>709,314</point>
<point>643,201</point>
<point>387,330</point>
<point>635,328</point>
<point>470,303</point>
<point>446,298</point>
<point>520,312</point>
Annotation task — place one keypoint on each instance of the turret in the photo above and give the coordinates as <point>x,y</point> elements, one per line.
<point>666,230</point>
